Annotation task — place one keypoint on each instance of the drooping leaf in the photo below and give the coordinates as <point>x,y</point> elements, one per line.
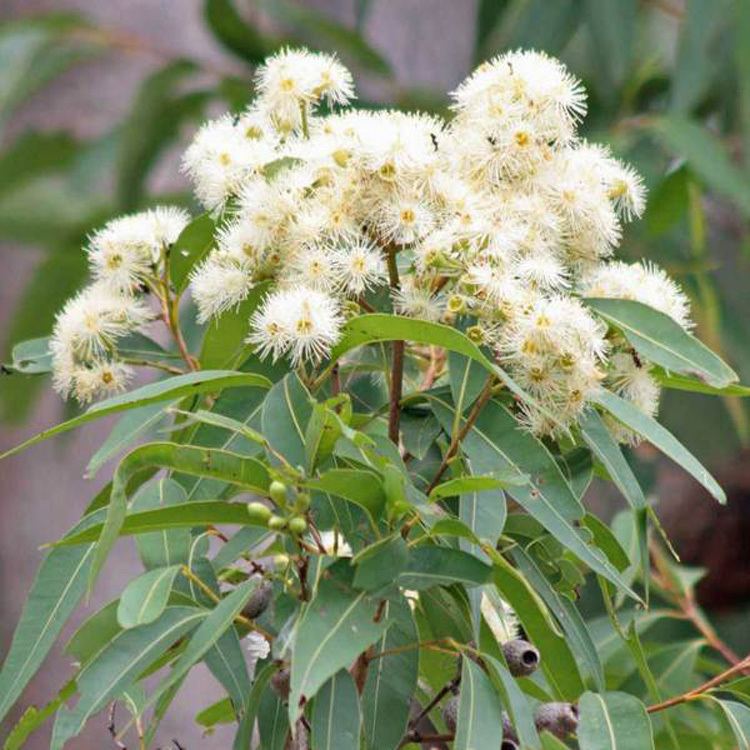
<point>430,565</point>
<point>180,386</point>
<point>363,488</point>
<point>234,33</point>
<point>146,597</point>
<point>663,341</point>
<point>286,411</point>
<point>188,250</point>
<point>381,563</point>
<point>33,718</point>
<point>613,721</point>
<point>118,664</point>
<point>738,716</point>
<point>336,718</point>
<point>649,428</point>
<point>480,721</point>
<point>391,679</point>
<point>57,589</point>
<point>336,626</point>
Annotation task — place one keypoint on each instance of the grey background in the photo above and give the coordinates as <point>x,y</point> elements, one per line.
<point>42,491</point>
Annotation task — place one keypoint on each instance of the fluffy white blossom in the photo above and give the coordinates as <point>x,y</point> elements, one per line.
<point>220,283</point>
<point>300,321</point>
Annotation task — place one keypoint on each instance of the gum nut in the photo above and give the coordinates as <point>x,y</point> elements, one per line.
<point>280,683</point>
<point>559,719</point>
<point>281,560</point>
<point>298,525</point>
<point>259,601</point>
<point>522,657</point>
<point>277,491</point>
<point>450,713</point>
<point>276,523</point>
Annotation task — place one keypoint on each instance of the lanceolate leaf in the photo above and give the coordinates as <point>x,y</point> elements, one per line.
<point>664,342</point>
<point>480,720</point>
<point>183,516</point>
<point>118,664</point>
<point>336,626</point>
<point>145,597</point>
<point>180,386</point>
<point>57,589</point>
<point>363,488</point>
<point>558,663</point>
<point>606,449</point>
<point>661,438</point>
<point>391,679</point>
<point>247,473</point>
<point>284,417</point>
<point>738,716</point>
<point>683,383</point>
<point>497,442</point>
<point>188,250</point>
<point>613,721</point>
<point>336,719</point>
<point>433,566</point>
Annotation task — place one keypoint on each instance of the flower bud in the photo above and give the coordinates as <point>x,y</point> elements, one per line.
<point>476,334</point>
<point>280,683</point>
<point>258,601</point>
<point>522,657</point>
<point>302,503</point>
<point>277,491</point>
<point>258,512</point>
<point>297,525</point>
<point>450,713</point>
<point>559,719</point>
<point>281,560</point>
<point>276,523</point>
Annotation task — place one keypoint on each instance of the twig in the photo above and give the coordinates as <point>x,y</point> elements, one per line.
<point>397,363</point>
<point>157,365</point>
<point>698,692</point>
<point>417,737</point>
<point>111,726</point>
<point>448,688</point>
<point>458,436</point>
<point>688,606</point>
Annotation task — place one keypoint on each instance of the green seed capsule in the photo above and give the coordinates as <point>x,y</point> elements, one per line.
<point>303,502</point>
<point>276,523</point>
<point>277,491</point>
<point>297,525</point>
<point>281,560</point>
<point>258,512</point>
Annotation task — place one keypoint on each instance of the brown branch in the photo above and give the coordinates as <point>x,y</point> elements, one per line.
<point>698,692</point>
<point>448,688</point>
<point>417,737</point>
<point>479,404</point>
<point>397,363</point>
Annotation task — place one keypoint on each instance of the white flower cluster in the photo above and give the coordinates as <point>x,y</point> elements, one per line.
<point>502,214</point>
<point>126,257</point>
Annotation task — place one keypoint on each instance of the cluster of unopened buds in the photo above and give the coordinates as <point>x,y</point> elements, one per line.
<point>500,218</point>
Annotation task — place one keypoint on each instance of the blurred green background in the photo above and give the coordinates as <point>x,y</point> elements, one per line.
<point>98,99</point>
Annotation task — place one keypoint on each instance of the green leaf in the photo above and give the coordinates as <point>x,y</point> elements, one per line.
<point>659,436</point>
<point>219,621</point>
<point>251,707</point>
<point>738,716</point>
<point>58,587</point>
<point>146,597</point>
<point>273,722</point>
<point>31,357</point>
<point>323,32</point>
<point>462,485</point>
<point>613,721</point>
<point>247,473</point>
<point>336,718</point>
<point>480,718</point>
<point>375,327</point>
<point>286,411</point>
<point>663,341</point>
<point>33,718</point>
<point>612,27</point>
<point>234,33</point>
<point>118,664</point>
<point>363,488</point>
<point>430,565</point>
<point>606,449</point>
<point>682,383</point>
<point>188,250</point>
<point>558,663</point>
<point>577,634</point>
<point>706,156</point>
<point>497,442</point>
<point>391,679</point>
<point>378,565</point>
<point>180,386</point>
<point>155,118</point>
<point>334,628</point>
<point>224,343</point>
<point>128,428</point>
<point>221,712</point>
<point>418,432</point>
<point>226,660</point>
<point>184,516</point>
<point>517,703</point>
